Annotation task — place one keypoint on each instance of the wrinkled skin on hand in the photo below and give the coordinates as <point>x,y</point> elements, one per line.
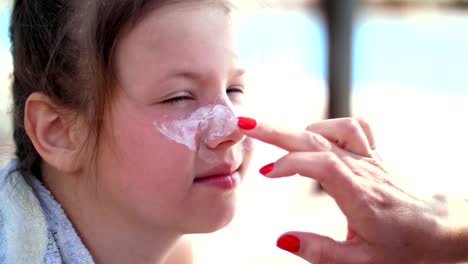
<point>386,224</point>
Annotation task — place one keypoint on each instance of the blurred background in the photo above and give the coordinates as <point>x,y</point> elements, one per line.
<point>400,64</point>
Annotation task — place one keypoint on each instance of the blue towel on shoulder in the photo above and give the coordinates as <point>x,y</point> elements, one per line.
<point>33,226</point>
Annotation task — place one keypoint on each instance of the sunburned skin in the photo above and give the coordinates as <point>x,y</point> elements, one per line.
<point>209,121</point>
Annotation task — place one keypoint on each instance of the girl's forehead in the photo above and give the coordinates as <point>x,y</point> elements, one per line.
<point>182,25</point>
<point>183,11</point>
<point>178,26</point>
<point>174,41</point>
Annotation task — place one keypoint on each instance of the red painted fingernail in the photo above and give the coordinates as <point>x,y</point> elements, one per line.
<point>267,169</point>
<point>246,123</point>
<point>289,243</point>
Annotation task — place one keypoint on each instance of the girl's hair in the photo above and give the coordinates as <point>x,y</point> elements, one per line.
<point>64,49</point>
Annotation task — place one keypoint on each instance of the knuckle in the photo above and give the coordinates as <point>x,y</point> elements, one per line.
<point>351,126</point>
<point>318,255</point>
<point>363,123</point>
<point>330,168</point>
<point>316,141</point>
<point>331,161</point>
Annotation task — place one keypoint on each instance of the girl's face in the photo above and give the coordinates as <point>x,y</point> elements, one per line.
<point>172,156</point>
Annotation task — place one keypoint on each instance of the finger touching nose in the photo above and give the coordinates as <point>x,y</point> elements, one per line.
<point>283,138</point>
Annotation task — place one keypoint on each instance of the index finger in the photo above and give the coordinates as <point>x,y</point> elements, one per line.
<point>283,138</point>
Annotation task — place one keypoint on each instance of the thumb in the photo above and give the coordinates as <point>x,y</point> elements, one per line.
<point>319,249</point>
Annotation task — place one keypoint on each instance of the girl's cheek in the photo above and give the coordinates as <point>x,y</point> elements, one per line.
<point>182,131</point>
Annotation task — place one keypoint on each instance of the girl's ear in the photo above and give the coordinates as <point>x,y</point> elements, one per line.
<point>57,140</point>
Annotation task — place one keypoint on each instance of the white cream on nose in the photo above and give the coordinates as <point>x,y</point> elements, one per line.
<point>210,121</point>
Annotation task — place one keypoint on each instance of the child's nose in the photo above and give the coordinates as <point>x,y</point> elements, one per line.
<point>224,141</point>
<point>222,130</point>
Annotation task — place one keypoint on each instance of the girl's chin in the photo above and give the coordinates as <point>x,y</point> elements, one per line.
<point>219,226</point>
<point>210,229</point>
<point>213,224</point>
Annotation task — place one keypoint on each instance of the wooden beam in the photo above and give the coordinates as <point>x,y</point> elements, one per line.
<point>339,17</point>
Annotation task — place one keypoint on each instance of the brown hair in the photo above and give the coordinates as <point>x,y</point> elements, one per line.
<point>64,49</point>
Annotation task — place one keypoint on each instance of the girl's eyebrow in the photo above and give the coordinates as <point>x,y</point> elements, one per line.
<point>197,75</point>
<point>238,72</point>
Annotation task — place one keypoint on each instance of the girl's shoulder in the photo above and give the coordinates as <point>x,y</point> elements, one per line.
<point>2,240</point>
<point>3,173</point>
<point>7,169</point>
<point>23,228</point>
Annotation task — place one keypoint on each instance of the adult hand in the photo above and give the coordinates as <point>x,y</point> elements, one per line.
<point>386,224</point>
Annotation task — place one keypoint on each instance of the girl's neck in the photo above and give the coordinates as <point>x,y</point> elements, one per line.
<point>109,236</point>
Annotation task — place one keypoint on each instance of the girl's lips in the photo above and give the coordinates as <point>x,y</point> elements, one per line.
<point>226,181</point>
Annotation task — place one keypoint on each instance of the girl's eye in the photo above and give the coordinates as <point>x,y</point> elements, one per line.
<point>177,99</point>
<point>235,89</point>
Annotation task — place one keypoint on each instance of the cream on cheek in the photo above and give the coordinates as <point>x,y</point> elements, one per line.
<point>212,121</point>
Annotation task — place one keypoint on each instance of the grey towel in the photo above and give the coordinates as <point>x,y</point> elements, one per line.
<point>33,226</point>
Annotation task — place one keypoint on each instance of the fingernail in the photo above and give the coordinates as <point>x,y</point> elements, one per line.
<point>267,169</point>
<point>289,243</point>
<point>246,123</point>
